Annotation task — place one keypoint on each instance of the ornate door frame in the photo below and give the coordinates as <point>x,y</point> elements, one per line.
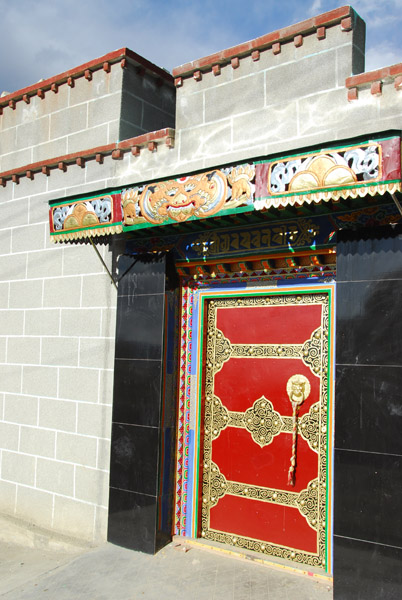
<point>189,475</point>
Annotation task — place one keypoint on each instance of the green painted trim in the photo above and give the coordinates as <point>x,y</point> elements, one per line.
<point>54,203</point>
<point>100,226</point>
<point>325,149</point>
<point>222,213</point>
<point>332,189</point>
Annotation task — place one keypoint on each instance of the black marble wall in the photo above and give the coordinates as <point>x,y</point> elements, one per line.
<point>368,416</point>
<point>143,420</point>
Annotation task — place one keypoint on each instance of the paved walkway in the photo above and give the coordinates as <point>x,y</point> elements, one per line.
<point>176,572</point>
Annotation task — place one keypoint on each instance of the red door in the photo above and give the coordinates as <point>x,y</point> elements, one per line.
<point>264,464</point>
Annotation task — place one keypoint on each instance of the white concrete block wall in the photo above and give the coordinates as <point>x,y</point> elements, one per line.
<point>57,320</point>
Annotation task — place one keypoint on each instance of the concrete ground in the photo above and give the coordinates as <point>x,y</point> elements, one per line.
<point>33,567</point>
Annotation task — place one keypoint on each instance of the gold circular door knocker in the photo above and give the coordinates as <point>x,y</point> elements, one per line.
<point>298,389</point>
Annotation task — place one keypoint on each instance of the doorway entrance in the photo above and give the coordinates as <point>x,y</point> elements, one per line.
<point>265,429</point>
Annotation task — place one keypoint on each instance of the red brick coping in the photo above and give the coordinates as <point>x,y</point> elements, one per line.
<point>116,150</point>
<point>374,81</point>
<point>343,15</point>
<point>68,77</point>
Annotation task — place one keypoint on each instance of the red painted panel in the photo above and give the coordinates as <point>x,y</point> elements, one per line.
<point>242,381</point>
<point>264,521</point>
<point>269,324</point>
<point>241,459</point>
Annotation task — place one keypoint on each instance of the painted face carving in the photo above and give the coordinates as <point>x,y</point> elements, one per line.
<point>199,195</point>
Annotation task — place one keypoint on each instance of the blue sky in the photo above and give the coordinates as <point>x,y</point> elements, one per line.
<point>40,38</point>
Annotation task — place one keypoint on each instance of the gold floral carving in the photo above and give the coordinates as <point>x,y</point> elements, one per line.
<point>312,352</point>
<point>223,350</point>
<point>309,427</point>
<point>262,421</point>
<point>307,503</point>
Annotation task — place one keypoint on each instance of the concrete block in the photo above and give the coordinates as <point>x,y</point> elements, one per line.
<point>92,486</point>
<point>23,350</point>
<point>60,351</point>
<point>18,468</point>
<point>13,212</point>
<point>8,493</point>
<point>81,322</point>
<point>31,133</point>
<point>74,518</point>
<point>70,120</point>
<point>308,76</point>
<point>55,476</point>
<point>11,322</point>
<point>84,90</point>
<point>21,409</point>
<point>239,96</point>
<point>80,260</point>
<point>332,108</point>
<point>58,180</point>
<point>276,123</point>
<point>91,138</point>
<point>52,103</point>
<point>46,263</point>
<point>344,63</point>
<point>190,110</point>
<point>5,241</point>
<point>16,159</point>
<point>104,109</point>
<point>62,292</point>
<point>28,238</point>
<point>101,524</point>
<point>42,322</point>
<point>125,130</point>
<point>8,140</point>
<point>97,353</point>
<point>10,377</point>
<point>94,419</point>
<point>34,506</point>
<point>3,350</point>
<point>4,292</point>
<point>97,290</point>
<point>39,381</point>
<point>108,327</point>
<point>40,442</point>
<point>144,88</point>
<point>389,103</point>
<point>26,294</point>
<point>38,205</point>
<point>207,140</point>
<point>113,134</point>
<point>154,119</point>
<point>13,267</point>
<point>106,387</point>
<point>57,414</point>
<point>9,434</point>
<point>76,449</point>
<point>49,149</point>
<point>78,384</point>
<point>103,460</point>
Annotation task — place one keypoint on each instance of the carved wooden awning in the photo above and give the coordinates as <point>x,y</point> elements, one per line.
<point>334,173</point>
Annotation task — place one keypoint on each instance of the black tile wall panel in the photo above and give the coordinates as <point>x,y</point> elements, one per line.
<point>371,254</point>
<point>134,458</point>
<point>368,492</point>
<point>132,520</point>
<point>139,327</point>
<point>144,404</point>
<point>368,323</point>
<point>368,415</point>
<point>366,571</point>
<point>368,409</point>
<point>140,277</point>
<point>137,386</point>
